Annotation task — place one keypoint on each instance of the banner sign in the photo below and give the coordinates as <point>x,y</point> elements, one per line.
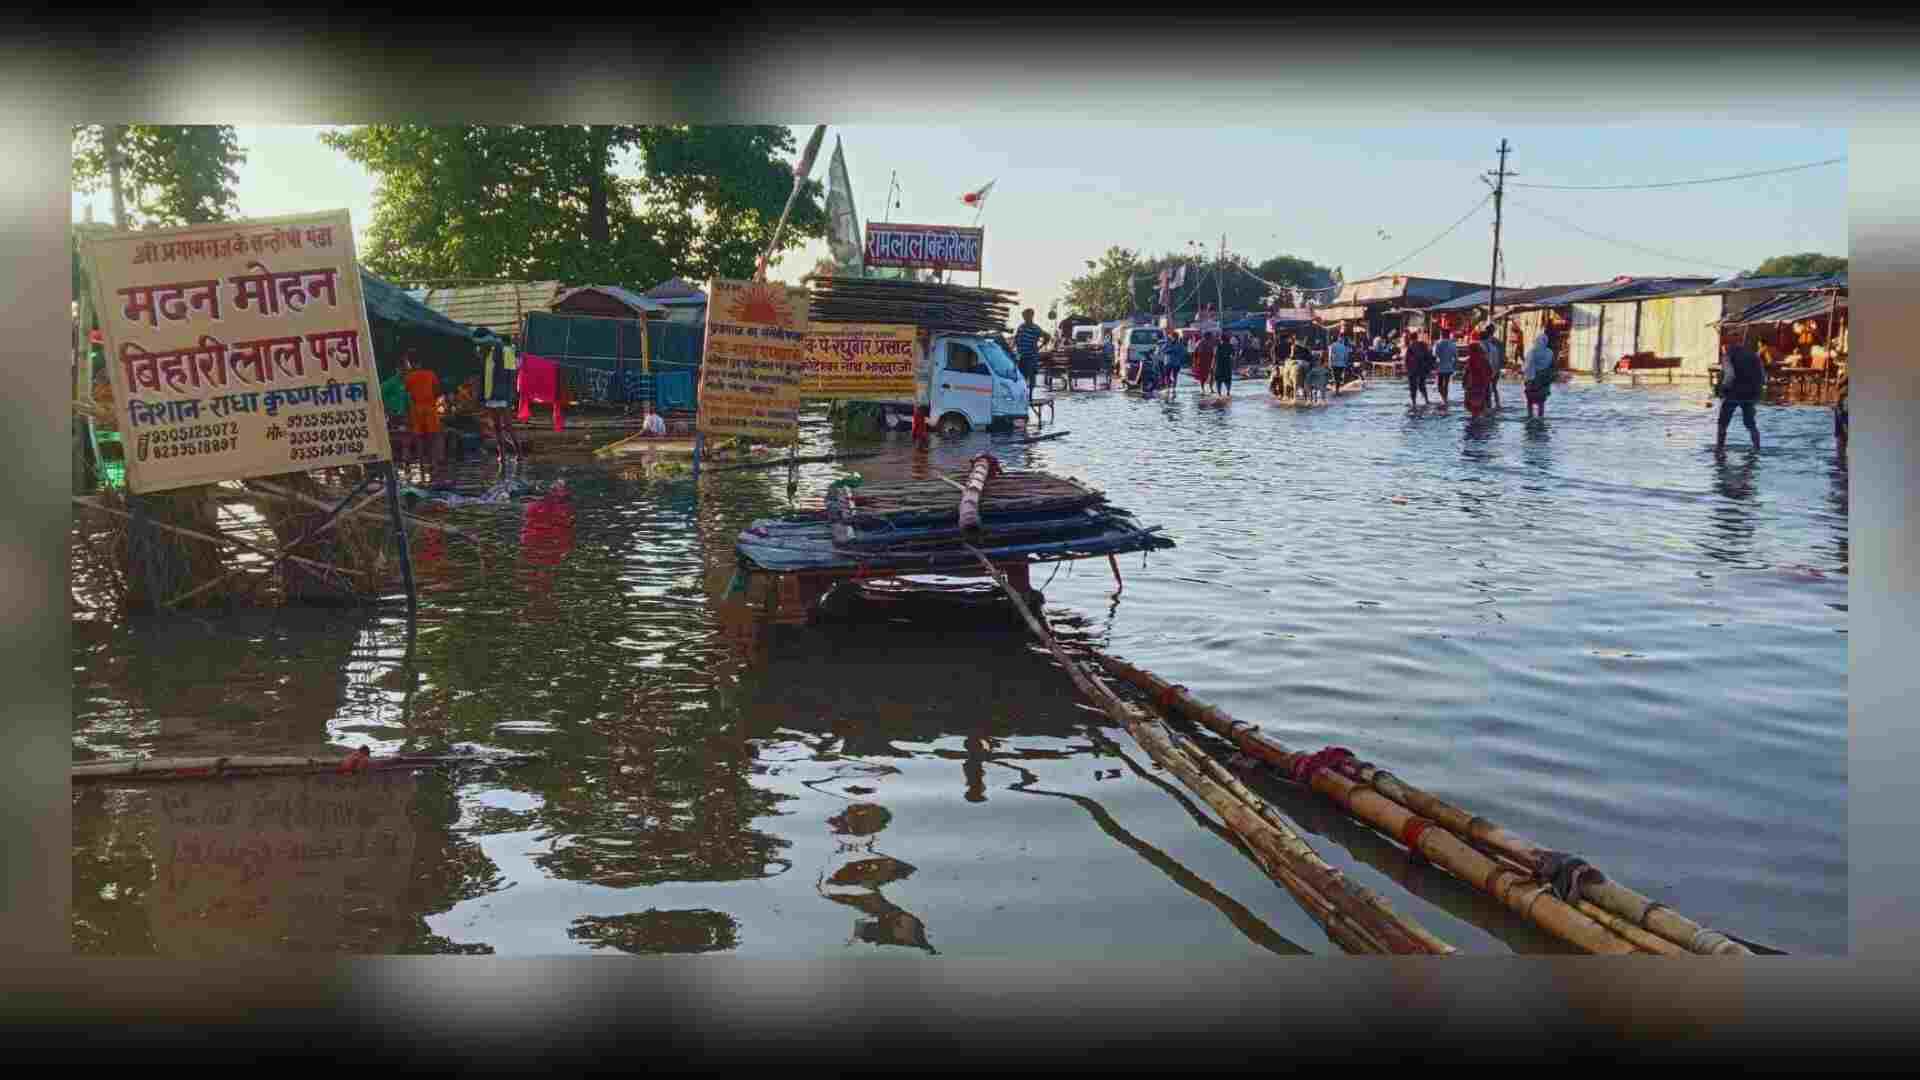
<point>754,361</point>
<point>924,247</point>
<point>1286,315</point>
<point>238,349</point>
<point>861,362</point>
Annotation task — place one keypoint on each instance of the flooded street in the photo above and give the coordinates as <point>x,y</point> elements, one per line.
<point>1592,630</point>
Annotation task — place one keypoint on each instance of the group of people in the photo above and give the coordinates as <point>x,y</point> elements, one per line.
<point>1481,363</point>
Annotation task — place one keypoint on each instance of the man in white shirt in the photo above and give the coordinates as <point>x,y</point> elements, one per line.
<point>1539,375</point>
<point>653,426</point>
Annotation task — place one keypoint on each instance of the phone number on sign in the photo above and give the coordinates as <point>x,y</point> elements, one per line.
<point>196,433</point>
<point>330,450</point>
<point>193,448</point>
<point>332,419</point>
<point>326,436</point>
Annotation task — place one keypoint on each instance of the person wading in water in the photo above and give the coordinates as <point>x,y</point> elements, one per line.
<point>1479,384</point>
<point>1540,374</point>
<point>1419,365</point>
<point>1747,377</point>
<point>1446,357</point>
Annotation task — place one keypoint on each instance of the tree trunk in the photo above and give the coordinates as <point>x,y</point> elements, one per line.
<point>599,224</point>
<point>115,135</point>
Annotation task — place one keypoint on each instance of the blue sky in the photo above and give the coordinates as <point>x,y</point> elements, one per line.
<point>1065,192</point>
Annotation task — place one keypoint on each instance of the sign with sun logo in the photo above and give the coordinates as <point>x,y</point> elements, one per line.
<point>755,361</point>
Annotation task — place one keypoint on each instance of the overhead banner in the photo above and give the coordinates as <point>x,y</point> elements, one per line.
<point>754,361</point>
<point>238,349</point>
<point>861,362</point>
<point>924,247</point>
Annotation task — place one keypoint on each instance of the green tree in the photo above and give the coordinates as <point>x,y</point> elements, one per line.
<point>1804,263</point>
<point>1103,292</point>
<point>160,174</point>
<point>550,202</point>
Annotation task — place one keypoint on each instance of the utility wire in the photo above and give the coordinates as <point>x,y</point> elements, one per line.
<point>1449,230</point>
<point>1679,183</point>
<point>1622,243</point>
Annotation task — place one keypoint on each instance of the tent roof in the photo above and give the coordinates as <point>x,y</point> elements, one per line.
<point>390,304</point>
<point>497,306</point>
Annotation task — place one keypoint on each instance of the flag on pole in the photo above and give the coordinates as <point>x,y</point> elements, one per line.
<point>978,199</point>
<point>843,224</point>
<point>1180,275</point>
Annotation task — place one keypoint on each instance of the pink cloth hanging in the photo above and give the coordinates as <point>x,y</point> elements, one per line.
<point>539,383</point>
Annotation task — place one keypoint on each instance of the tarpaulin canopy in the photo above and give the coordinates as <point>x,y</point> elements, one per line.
<point>1786,309</point>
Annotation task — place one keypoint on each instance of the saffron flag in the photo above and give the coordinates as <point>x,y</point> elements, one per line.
<point>978,199</point>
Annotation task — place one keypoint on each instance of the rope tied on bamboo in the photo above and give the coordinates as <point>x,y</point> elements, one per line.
<point>1307,765</point>
<point>1567,873</point>
<point>1410,834</point>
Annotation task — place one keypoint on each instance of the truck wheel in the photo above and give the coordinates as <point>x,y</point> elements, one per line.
<point>953,424</point>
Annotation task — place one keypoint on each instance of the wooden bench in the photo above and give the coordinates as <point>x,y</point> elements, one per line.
<point>1639,362</point>
<point>1084,362</point>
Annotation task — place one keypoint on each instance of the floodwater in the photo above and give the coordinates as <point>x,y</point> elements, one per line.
<point>1593,630</point>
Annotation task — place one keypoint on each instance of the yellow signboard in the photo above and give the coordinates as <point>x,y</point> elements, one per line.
<point>861,362</point>
<point>238,349</point>
<point>754,361</point>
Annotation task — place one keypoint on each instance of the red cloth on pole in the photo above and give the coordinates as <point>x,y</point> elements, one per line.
<point>539,384</point>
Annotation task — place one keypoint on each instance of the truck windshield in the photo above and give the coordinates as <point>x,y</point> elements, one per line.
<point>997,359</point>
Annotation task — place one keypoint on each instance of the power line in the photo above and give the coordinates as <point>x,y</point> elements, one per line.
<point>1442,236</point>
<point>1680,183</point>
<point>1623,243</point>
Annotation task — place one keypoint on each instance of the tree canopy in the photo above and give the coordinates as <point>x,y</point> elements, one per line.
<point>1804,263</point>
<point>549,202</point>
<point>1103,292</point>
<point>170,174</point>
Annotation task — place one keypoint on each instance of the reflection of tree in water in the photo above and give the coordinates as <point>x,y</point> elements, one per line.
<point>652,931</point>
<point>112,871</point>
<point>246,683</point>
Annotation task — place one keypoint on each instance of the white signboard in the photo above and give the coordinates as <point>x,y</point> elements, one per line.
<point>238,349</point>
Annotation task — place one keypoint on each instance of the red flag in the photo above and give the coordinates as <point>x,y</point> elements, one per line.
<point>977,199</point>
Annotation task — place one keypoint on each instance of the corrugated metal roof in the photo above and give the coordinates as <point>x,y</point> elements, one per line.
<point>1775,283</point>
<point>1788,309</point>
<point>496,306</point>
<point>388,302</point>
<point>626,296</point>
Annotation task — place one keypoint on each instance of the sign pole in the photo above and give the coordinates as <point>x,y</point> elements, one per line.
<point>400,539</point>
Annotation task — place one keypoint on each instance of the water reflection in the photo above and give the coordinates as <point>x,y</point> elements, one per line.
<point>1360,586</point>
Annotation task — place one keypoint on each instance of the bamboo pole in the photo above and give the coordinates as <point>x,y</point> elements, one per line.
<point>1383,800</point>
<point>198,589</point>
<point>198,768</point>
<point>1356,919</point>
<point>983,468</point>
<point>282,493</point>
<point>325,568</point>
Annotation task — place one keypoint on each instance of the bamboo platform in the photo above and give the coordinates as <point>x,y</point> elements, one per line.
<point>891,531</point>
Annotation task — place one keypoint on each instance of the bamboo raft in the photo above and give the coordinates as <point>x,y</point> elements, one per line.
<point>1560,893</point>
<point>934,527</point>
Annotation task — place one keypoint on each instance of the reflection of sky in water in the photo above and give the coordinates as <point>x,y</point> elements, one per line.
<point>1592,630</point>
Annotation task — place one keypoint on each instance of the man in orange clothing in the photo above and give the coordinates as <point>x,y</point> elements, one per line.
<point>423,411</point>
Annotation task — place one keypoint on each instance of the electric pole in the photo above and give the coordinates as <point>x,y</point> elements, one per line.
<point>1493,272</point>
<point>1220,286</point>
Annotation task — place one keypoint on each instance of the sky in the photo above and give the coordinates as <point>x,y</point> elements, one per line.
<point>1362,199</point>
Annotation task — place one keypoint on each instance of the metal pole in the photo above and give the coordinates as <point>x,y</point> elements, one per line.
<point>400,539</point>
<point>1493,271</point>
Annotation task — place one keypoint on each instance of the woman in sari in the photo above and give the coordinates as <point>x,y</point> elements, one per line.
<point>1479,378</point>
